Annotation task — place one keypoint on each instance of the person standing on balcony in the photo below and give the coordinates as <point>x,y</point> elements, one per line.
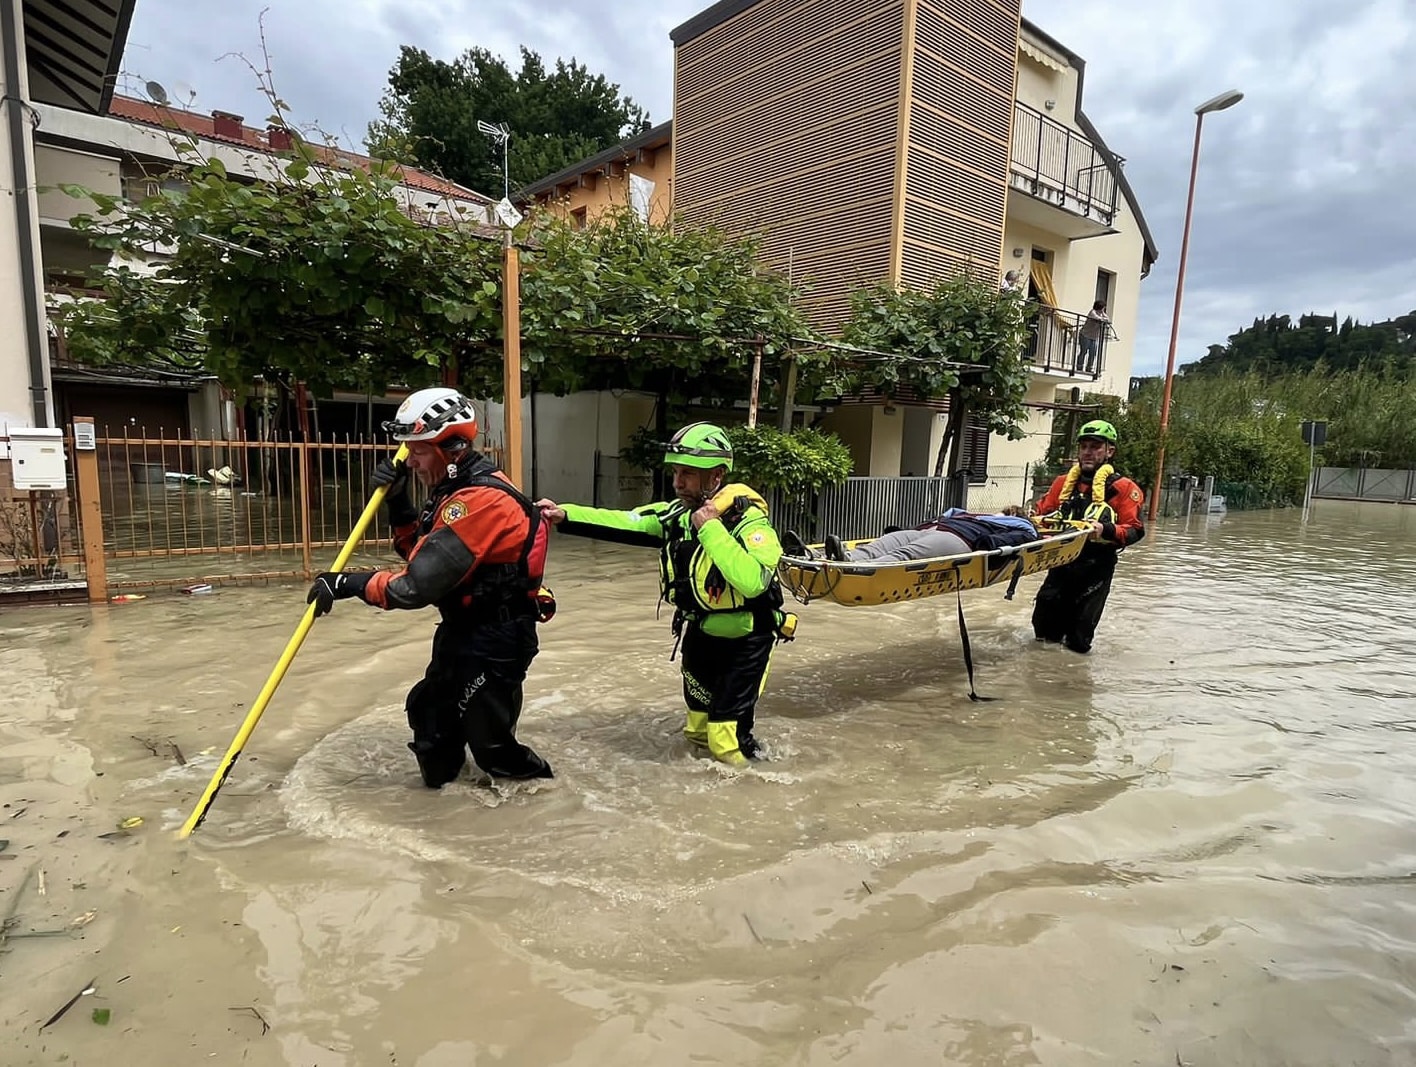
<point>477,551</point>
<point>718,560</point>
<point>1093,332</point>
<point>1073,596</point>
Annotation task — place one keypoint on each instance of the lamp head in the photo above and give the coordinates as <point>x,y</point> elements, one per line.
<point>1220,102</point>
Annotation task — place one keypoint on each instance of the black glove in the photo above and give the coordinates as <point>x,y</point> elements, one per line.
<point>331,586</point>
<point>395,476</point>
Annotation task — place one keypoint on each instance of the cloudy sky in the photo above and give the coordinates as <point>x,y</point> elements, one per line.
<point>1306,197</point>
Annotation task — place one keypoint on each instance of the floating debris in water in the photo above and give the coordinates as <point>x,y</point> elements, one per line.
<point>87,990</point>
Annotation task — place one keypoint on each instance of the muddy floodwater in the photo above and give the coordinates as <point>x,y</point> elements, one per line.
<point>1195,846</point>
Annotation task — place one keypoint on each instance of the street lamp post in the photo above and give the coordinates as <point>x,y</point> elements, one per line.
<point>1218,103</point>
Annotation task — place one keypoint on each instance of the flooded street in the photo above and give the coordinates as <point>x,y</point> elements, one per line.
<point>1195,846</point>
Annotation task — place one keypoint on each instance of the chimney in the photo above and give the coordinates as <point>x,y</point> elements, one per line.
<point>225,124</point>
<point>279,139</point>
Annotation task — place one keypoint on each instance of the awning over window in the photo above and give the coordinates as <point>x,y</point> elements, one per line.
<point>1037,55</point>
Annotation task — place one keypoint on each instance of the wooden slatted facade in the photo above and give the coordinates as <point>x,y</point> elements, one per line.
<point>961,94</point>
<point>866,141</point>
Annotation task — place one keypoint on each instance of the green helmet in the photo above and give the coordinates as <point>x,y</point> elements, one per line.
<point>702,445</point>
<point>1098,428</point>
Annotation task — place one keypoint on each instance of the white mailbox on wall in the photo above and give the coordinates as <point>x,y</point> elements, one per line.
<point>37,458</point>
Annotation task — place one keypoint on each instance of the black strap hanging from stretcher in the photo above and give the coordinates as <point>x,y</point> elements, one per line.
<point>1013,585</point>
<point>968,649</point>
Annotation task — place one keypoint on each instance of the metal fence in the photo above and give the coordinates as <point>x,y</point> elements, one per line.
<point>181,510</point>
<point>864,507</point>
<point>1184,496</point>
<point>1005,486</point>
<point>1364,483</point>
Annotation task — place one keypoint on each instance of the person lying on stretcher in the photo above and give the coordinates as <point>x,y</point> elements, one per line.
<point>953,533</point>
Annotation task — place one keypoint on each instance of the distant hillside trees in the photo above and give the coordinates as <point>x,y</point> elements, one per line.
<point>1278,345</point>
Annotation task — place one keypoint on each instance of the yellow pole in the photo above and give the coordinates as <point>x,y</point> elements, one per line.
<point>282,665</point>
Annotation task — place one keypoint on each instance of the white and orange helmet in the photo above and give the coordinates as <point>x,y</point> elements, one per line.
<point>435,415</point>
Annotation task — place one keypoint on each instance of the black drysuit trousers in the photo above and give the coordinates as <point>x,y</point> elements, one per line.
<point>1072,598</point>
<point>470,697</point>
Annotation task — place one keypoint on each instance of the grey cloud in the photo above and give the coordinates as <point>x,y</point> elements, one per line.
<point>1303,201</point>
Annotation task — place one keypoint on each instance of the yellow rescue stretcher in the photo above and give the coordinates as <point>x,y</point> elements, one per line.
<point>858,584</point>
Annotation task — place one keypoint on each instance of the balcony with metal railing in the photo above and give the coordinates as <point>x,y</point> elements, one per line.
<point>1056,346</point>
<point>1070,187</point>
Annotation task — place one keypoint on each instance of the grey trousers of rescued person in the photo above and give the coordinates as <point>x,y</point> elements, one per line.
<point>904,545</point>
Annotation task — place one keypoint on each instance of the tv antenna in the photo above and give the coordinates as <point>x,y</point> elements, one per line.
<point>183,91</point>
<point>501,133</point>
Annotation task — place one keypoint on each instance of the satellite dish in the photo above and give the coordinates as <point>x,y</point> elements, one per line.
<point>184,91</point>
<point>156,93</point>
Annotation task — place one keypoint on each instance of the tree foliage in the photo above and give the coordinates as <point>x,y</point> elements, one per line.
<point>962,339</point>
<point>630,304</point>
<point>325,277</point>
<point>803,461</point>
<point>1246,428</point>
<point>328,281</point>
<point>1278,345</point>
<point>556,117</point>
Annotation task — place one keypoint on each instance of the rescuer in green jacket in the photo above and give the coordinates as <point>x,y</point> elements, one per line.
<point>718,560</point>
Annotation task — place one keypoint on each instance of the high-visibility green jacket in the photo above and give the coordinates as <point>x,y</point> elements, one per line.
<point>723,580</point>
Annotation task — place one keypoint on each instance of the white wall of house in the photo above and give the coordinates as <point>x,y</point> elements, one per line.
<point>569,432</point>
<point>16,400</point>
<point>1046,77</point>
<point>1074,274</point>
<point>1037,426</point>
<point>1119,253</point>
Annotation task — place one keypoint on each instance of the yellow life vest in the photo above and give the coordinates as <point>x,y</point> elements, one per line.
<point>1097,511</point>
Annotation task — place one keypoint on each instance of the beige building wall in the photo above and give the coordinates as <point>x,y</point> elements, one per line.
<point>66,166</point>
<point>1049,83</point>
<point>946,116</point>
<point>1039,80</point>
<point>1121,254</point>
<point>875,435</point>
<point>593,194</point>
